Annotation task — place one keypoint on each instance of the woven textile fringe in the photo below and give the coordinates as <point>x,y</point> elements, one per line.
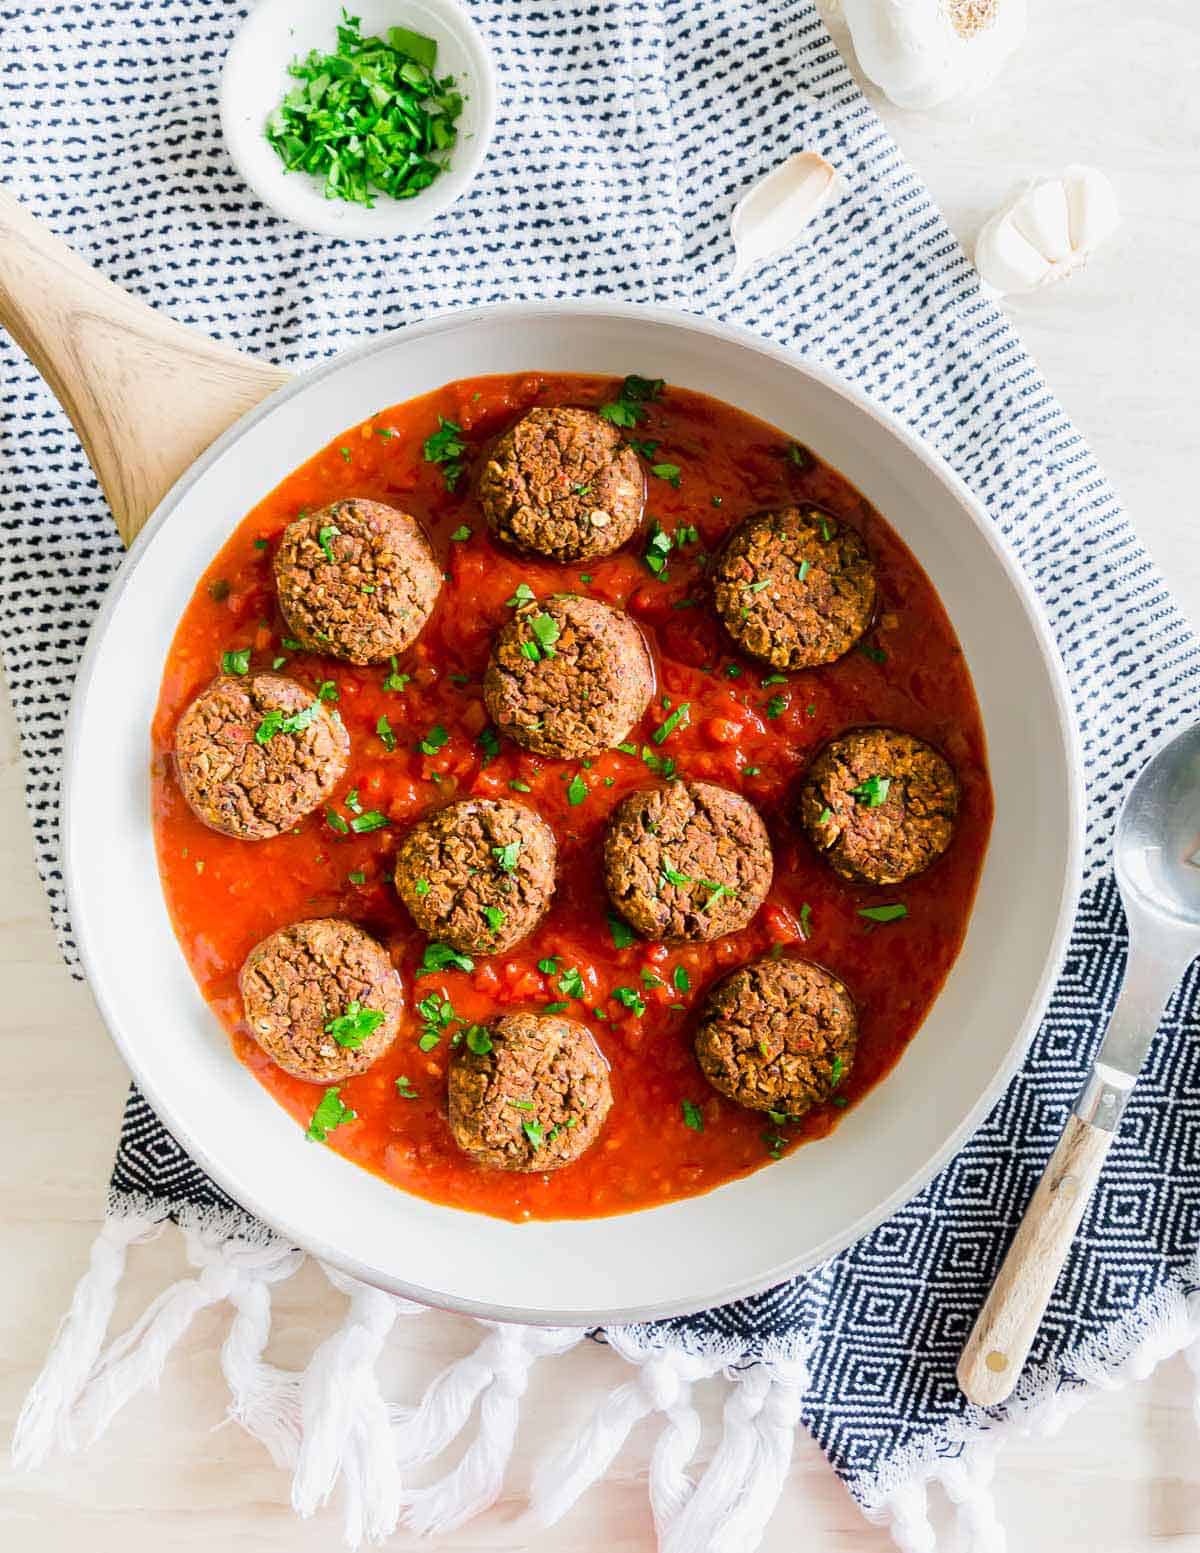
<point>331,1426</point>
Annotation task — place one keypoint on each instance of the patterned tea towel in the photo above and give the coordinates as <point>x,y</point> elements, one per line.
<point>627,131</point>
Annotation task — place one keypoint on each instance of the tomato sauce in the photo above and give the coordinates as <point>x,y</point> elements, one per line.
<point>224,895</point>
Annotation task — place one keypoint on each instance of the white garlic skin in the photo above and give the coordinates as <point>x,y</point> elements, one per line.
<point>771,216</point>
<point>918,57</point>
<point>1047,233</point>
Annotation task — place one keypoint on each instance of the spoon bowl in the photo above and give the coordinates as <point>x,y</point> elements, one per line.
<point>1157,848</point>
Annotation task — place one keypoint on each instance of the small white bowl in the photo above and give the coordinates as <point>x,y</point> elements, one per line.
<point>255,80</point>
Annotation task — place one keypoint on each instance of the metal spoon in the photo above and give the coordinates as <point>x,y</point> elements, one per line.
<point>1157,854</point>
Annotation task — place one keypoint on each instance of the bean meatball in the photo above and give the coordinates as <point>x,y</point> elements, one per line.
<point>357,580</point>
<point>689,861</point>
<point>322,999</point>
<point>879,805</point>
<point>795,588</point>
<point>777,1035</point>
<point>561,483</point>
<point>478,874</point>
<point>530,1092</point>
<point>568,677</point>
<point>255,753</point>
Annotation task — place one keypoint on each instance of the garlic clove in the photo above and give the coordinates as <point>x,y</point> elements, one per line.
<point>1047,232</point>
<point>771,216</point>
<point>922,53</point>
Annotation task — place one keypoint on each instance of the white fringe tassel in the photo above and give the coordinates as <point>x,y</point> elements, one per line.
<point>332,1427</point>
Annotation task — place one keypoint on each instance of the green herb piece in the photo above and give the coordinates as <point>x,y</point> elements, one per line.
<point>719,891</point>
<point>679,716</point>
<point>687,534</point>
<point>353,1027</point>
<point>405,1090</point>
<point>659,545</point>
<point>533,1131</point>
<point>825,816</point>
<point>325,538</point>
<point>352,802</point>
<point>236,662</point>
<point>278,663</point>
<point>693,1116</point>
<point>570,983</point>
<point>668,472</point>
<point>682,981</point>
<point>555,1008</point>
<point>421,886</point>
<point>776,705</point>
<point>506,856</point>
<point>446,447</point>
<point>549,965</point>
<point>750,771</point>
<point>876,654</point>
<point>733,671</point>
<point>357,876</point>
<point>260,544</point>
<point>629,407</point>
<point>805,920</point>
<point>364,824</point>
<point>327,691</point>
<point>495,918</point>
<point>386,432</point>
<point>837,1071</point>
<point>370,118</point>
<point>489,743</point>
<point>872,791</point>
<point>803,570</point>
<point>478,1040</point>
<point>773,679</point>
<point>622,934</point>
<point>826,531</point>
<point>545,633</point>
<point>461,534</point>
<point>335,822</point>
<point>520,787</point>
<point>757,587</point>
<point>384,729</point>
<point>811,709</point>
<point>585,577</point>
<point>646,449</point>
<point>663,764</point>
<point>577,790</point>
<point>330,1113</point>
<point>291,644</point>
<point>428,1040</point>
<point>631,998</point>
<point>774,1143</point>
<point>628,749</point>
<point>276,721</point>
<point>518,1105</point>
<point>716,501</point>
<point>441,957</point>
<point>219,590</point>
<point>522,594</point>
<point>434,740</point>
<point>395,680</point>
<point>883,913</point>
<point>800,456</point>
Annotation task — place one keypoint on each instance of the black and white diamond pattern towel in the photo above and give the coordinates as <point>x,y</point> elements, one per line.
<point>627,130</point>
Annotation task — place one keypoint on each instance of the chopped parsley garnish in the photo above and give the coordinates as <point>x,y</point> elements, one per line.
<point>838,1071</point>
<point>345,452</point>
<point>441,957</point>
<point>327,691</point>
<point>800,456</point>
<point>883,913</point>
<point>489,742</point>
<point>776,705</point>
<point>628,749</point>
<point>330,1113</point>
<point>687,534</point>
<point>693,1116</point>
<point>749,771</point>
<point>236,662</point>
<point>335,822</point>
<point>495,918</point>
<point>774,1142</point>
<point>533,1131</point>
<point>629,407</point>
<point>278,663</point>
<point>446,447</point>
<point>405,1090</point>
<point>421,886</point>
<point>395,680</point>
<point>658,547</point>
<point>570,983</point>
<point>773,679</point>
<point>353,1027</point>
<point>461,534</point>
<point>646,449</point>
<point>649,979</point>
<point>805,920</point>
<point>681,979</point>
<point>291,644</point>
<point>357,876</point>
<point>260,544</point>
<point>325,538</point>
<point>219,590</point>
<point>872,791</point>
<point>631,998</point>
<point>556,1008</point>
<point>478,1040</point>
<point>876,654</point>
<point>757,587</point>
<point>364,824</point>
<point>549,965</point>
<point>668,472</point>
<point>372,117</point>
<point>677,718</point>
<point>545,633</point>
<point>803,570</point>
<point>826,532</point>
<point>577,790</point>
<point>622,934</point>
<point>716,501</point>
<point>520,787</point>
<point>518,1105</point>
<point>733,671</point>
<point>522,594</point>
<point>506,856</point>
<point>276,721</point>
<point>663,764</point>
<point>384,729</point>
<point>434,740</point>
<point>825,816</point>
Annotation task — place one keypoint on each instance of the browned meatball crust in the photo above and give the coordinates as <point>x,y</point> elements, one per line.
<point>357,580</point>
<point>568,677</point>
<point>255,753</point>
<point>777,1035</point>
<point>534,1099</point>
<point>322,999</point>
<point>478,874</point>
<point>795,588</point>
<point>562,483</point>
<point>686,862</point>
<point>879,805</point>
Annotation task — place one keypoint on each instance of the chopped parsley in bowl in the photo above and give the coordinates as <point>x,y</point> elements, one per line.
<point>358,123</point>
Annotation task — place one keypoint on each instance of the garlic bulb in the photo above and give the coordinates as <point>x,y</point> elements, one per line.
<point>1047,232</point>
<point>924,52</point>
<point>771,216</point>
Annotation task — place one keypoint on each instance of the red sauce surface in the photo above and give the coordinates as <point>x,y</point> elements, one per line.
<point>225,895</point>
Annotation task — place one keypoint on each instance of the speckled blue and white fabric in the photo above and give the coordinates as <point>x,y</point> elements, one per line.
<point>627,130</point>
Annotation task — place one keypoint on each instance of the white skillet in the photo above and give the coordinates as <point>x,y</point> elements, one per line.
<point>742,1237</point>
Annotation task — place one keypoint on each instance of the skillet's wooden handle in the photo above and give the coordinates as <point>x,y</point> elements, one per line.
<point>145,394</point>
<point>1005,1328</point>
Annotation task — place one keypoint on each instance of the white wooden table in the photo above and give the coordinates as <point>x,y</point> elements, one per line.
<point>1097,80</point>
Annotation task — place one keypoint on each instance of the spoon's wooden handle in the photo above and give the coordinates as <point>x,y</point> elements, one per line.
<point>145,394</point>
<point>1005,1329</point>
